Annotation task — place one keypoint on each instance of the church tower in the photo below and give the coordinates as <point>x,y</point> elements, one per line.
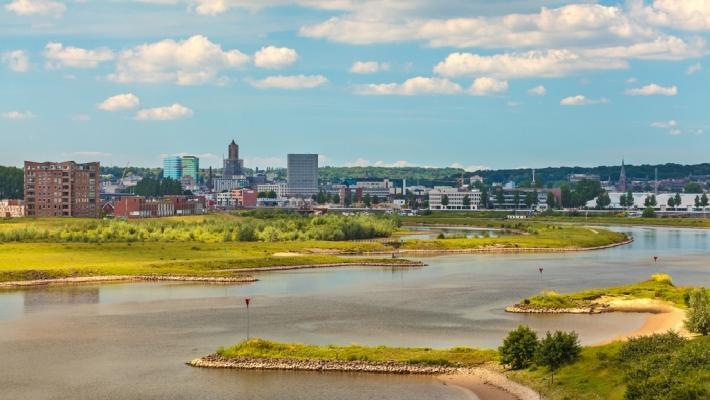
<point>621,186</point>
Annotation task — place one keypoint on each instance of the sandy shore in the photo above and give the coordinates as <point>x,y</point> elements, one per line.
<point>124,278</point>
<point>664,317</point>
<point>490,385</point>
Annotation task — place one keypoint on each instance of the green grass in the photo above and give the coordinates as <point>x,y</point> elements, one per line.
<point>659,287</point>
<point>535,236</point>
<point>458,356</point>
<point>25,261</point>
<point>623,220</point>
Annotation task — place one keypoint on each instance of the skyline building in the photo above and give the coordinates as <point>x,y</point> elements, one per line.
<point>621,186</point>
<point>172,167</point>
<point>302,175</point>
<point>190,167</point>
<point>62,189</point>
<point>233,165</point>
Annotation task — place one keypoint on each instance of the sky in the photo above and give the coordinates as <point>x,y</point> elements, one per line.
<point>436,83</point>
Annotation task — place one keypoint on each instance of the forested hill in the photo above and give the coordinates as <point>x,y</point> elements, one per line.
<point>547,175</point>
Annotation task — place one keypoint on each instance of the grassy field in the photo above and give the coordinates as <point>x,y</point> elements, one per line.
<point>458,356</point>
<point>537,235</point>
<point>622,220</point>
<point>209,245</point>
<point>659,287</point>
<point>26,261</point>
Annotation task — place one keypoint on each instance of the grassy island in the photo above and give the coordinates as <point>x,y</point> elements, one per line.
<point>228,245</point>
<point>659,288</point>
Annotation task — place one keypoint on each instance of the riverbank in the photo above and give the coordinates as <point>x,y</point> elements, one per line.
<point>126,278</point>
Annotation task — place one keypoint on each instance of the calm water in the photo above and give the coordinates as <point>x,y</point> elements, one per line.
<point>131,340</point>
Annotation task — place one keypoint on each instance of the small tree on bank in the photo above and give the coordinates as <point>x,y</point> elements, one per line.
<point>558,349</point>
<point>699,312</point>
<point>519,348</point>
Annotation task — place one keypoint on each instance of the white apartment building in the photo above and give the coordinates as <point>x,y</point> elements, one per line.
<point>225,199</point>
<point>455,198</point>
<point>281,189</point>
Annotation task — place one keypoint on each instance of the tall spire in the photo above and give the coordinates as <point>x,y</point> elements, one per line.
<point>622,177</point>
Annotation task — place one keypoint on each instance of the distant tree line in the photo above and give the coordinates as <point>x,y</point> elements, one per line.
<point>11,183</point>
<point>155,187</point>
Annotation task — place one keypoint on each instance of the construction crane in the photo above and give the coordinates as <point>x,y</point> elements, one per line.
<point>120,186</point>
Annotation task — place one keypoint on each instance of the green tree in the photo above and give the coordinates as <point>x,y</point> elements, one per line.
<point>466,201</point>
<point>678,200</point>
<point>516,199</point>
<point>671,202</point>
<point>622,200</point>
<point>692,187</point>
<point>500,199</point>
<point>697,201</point>
<point>629,199</point>
<point>367,200</point>
<point>529,199</point>
<point>321,197</point>
<point>704,200</point>
<point>444,200</point>
<point>336,199</point>
<point>11,183</point>
<point>519,348</point>
<point>551,200</point>
<point>603,200</point>
<point>699,312</point>
<point>558,349</point>
<point>650,201</point>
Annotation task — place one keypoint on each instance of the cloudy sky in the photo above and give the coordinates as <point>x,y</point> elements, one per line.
<point>362,82</point>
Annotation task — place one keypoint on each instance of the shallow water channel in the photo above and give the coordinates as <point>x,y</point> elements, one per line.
<point>130,341</point>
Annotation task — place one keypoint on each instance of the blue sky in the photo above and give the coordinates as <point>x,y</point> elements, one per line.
<point>476,84</point>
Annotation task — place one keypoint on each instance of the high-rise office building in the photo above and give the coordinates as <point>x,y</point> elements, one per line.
<point>172,167</point>
<point>302,175</point>
<point>233,165</point>
<point>64,189</point>
<point>190,167</point>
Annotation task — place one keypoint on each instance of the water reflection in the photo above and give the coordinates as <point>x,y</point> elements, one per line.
<point>36,299</point>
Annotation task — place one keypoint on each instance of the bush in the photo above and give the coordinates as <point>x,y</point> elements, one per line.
<point>662,278</point>
<point>699,313</point>
<point>519,348</point>
<point>648,212</point>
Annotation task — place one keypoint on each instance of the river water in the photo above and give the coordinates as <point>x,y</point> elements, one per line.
<point>130,341</point>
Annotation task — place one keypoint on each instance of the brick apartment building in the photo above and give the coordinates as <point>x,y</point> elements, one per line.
<point>63,189</point>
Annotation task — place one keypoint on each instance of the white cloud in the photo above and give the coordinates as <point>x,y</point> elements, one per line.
<point>665,124</point>
<point>538,63</point>
<point>652,89</point>
<point>125,101</point>
<point>16,60</point>
<point>469,168</point>
<point>59,56</point>
<point>693,15</point>
<point>580,100</point>
<point>290,82</point>
<point>693,69</point>
<point>411,87</point>
<point>396,164</point>
<point>192,61</point>
<point>175,111</point>
<point>17,115</point>
<point>36,7</point>
<point>275,57</point>
<point>486,86</point>
<point>368,67</point>
<point>631,80</point>
<point>537,91</point>
<point>360,162</point>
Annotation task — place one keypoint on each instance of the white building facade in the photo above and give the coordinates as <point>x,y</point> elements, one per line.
<point>454,198</point>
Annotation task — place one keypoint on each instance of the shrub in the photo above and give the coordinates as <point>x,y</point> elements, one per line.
<point>648,212</point>
<point>699,312</point>
<point>662,278</point>
<point>519,348</point>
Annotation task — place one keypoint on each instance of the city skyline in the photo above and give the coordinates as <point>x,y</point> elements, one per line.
<point>497,86</point>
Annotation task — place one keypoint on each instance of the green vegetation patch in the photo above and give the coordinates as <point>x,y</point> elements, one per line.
<point>457,356</point>
<point>659,287</point>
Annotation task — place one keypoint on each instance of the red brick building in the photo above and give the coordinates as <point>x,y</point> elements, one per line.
<point>64,189</point>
